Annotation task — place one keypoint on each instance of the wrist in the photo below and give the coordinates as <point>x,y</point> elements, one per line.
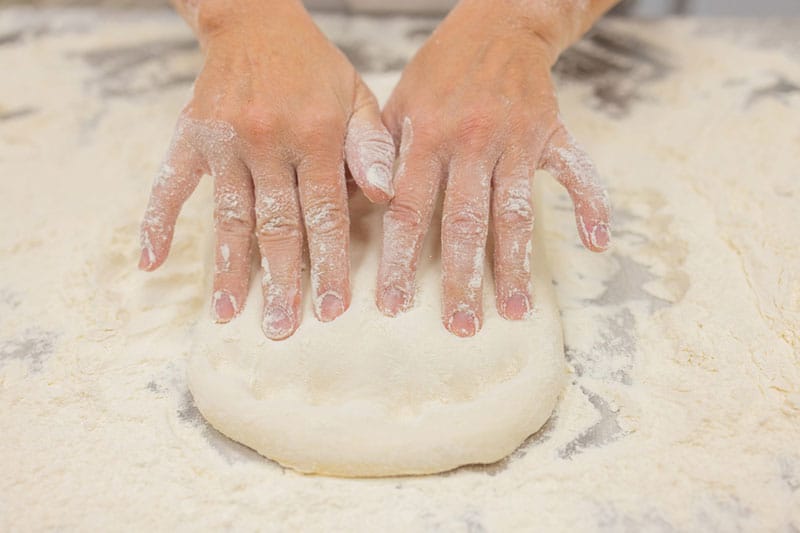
<point>553,24</point>
<point>216,17</point>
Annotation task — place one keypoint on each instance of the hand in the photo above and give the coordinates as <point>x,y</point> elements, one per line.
<point>276,111</point>
<point>475,113</point>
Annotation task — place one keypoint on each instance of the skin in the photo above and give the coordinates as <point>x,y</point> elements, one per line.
<point>475,114</point>
<point>275,126</point>
<point>278,128</point>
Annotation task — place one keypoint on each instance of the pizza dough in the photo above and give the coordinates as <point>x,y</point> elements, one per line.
<point>367,395</point>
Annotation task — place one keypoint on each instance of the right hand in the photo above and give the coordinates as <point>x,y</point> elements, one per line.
<point>475,114</point>
<point>276,111</point>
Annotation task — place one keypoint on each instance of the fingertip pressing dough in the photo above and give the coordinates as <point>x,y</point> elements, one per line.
<point>369,395</point>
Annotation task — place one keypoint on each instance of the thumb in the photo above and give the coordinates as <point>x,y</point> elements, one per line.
<point>369,148</point>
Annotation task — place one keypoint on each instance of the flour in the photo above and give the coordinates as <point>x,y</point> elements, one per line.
<point>682,411</point>
<point>369,151</point>
<point>225,252</point>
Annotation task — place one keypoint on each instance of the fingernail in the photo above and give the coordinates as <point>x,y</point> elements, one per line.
<point>277,323</point>
<point>148,257</point>
<point>144,260</point>
<point>224,306</point>
<point>517,307</point>
<point>464,323</point>
<point>378,176</point>
<point>600,236</point>
<point>394,301</point>
<point>330,307</point>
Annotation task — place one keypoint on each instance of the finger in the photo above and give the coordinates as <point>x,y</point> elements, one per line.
<point>323,199</point>
<point>369,148</point>
<point>406,222</point>
<point>176,180</point>
<point>571,166</point>
<point>280,241</point>
<point>512,221</point>
<point>465,223</point>
<point>234,221</point>
<point>352,187</point>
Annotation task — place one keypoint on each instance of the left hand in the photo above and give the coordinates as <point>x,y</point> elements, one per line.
<point>275,114</point>
<point>475,112</point>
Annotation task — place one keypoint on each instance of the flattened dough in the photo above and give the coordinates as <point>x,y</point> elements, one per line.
<point>368,395</point>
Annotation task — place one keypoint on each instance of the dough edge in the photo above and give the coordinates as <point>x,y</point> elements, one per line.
<point>360,439</point>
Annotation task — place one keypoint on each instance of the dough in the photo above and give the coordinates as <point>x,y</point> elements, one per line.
<point>367,395</point>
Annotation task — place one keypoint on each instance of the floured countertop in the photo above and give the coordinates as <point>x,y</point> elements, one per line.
<point>683,411</point>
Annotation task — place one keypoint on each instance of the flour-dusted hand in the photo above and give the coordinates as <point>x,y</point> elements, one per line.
<point>475,114</point>
<point>276,113</point>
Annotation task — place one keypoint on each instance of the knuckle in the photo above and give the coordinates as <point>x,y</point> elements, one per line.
<point>423,125</point>
<point>231,213</point>
<point>515,212</point>
<point>258,124</point>
<point>465,224</point>
<point>274,221</point>
<point>277,227</point>
<point>325,217</point>
<point>477,125</point>
<point>524,124</point>
<point>425,118</point>
<point>515,219</point>
<point>403,215</point>
<point>317,127</point>
<point>427,131</point>
<point>234,225</point>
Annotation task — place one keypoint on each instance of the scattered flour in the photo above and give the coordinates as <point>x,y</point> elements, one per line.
<point>684,404</point>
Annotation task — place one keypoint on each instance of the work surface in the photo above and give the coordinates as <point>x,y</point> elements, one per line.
<point>683,408</point>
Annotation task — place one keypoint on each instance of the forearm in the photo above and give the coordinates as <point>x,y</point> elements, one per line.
<point>564,22</point>
<point>207,17</point>
<point>558,23</point>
